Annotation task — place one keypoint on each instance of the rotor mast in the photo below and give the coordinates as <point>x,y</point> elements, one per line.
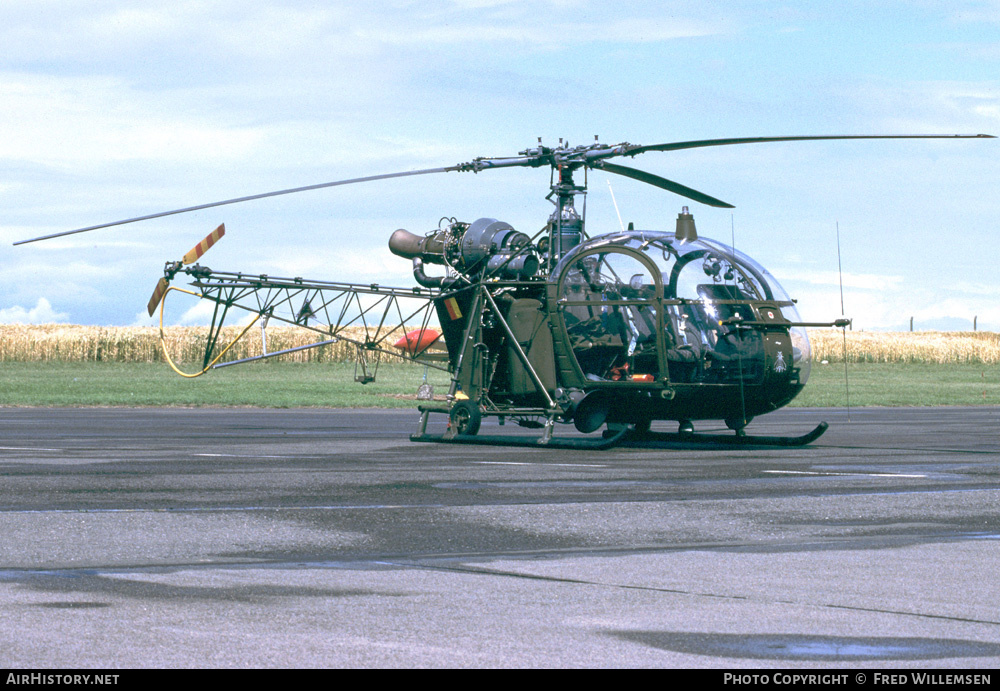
<point>565,225</point>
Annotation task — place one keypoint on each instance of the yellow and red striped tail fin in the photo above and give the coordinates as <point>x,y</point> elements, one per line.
<point>203,246</point>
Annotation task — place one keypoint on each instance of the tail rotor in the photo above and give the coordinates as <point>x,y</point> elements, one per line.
<point>172,268</point>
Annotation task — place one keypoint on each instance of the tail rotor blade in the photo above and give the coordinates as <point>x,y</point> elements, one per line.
<point>198,250</point>
<point>191,257</point>
<point>161,289</point>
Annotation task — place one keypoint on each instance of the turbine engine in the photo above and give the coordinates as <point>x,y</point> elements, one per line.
<point>487,246</point>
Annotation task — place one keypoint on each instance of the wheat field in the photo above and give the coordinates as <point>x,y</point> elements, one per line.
<point>927,347</point>
<point>68,343</point>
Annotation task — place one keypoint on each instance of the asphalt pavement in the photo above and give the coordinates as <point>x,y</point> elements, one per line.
<point>326,538</point>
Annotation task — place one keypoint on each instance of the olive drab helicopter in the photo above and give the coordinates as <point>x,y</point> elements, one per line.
<point>609,331</point>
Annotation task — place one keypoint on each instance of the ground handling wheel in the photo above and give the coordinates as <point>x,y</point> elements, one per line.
<point>465,417</point>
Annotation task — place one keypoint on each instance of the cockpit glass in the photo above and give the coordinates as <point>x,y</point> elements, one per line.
<point>610,303</point>
<point>690,295</point>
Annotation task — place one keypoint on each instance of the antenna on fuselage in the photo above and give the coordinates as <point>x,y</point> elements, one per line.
<point>615,202</point>
<point>843,329</point>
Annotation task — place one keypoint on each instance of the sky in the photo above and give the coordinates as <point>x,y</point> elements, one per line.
<point>111,110</point>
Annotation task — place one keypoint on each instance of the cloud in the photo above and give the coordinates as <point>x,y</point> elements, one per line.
<point>199,314</point>
<point>932,106</point>
<point>119,109</point>
<point>75,122</point>
<point>543,34</point>
<point>41,313</point>
<point>879,282</point>
<point>229,35</point>
<point>142,318</point>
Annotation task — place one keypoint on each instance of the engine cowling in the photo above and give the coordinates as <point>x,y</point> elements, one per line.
<point>487,246</point>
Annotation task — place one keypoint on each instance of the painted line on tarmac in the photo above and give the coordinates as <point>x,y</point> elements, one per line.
<point>243,455</point>
<point>226,509</point>
<point>816,472</point>
<point>26,448</point>
<point>547,465</point>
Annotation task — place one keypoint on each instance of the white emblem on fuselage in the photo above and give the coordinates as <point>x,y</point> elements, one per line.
<point>779,364</point>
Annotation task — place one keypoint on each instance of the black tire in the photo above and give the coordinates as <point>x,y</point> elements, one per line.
<point>465,417</point>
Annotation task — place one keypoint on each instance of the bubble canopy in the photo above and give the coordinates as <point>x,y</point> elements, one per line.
<point>699,294</point>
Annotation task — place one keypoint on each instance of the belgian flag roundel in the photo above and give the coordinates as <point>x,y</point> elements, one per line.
<point>451,305</point>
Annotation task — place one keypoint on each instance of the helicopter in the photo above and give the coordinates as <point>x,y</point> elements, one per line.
<point>616,330</point>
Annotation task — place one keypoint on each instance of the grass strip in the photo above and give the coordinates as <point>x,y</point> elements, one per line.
<point>290,385</point>
<point>266,385</point>
<point>901,384</point>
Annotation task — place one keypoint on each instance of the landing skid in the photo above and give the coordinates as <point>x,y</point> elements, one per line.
<point>619,436</point>
<point>576,443</point>
<point>734,439</point>
<point>546,441</point>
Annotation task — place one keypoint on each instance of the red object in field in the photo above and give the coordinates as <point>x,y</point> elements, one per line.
<point>417,341</point>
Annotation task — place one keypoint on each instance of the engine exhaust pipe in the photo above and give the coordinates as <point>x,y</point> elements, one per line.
<point>429,248</point>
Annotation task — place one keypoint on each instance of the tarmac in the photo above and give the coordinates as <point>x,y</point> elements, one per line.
<point>237,538</point>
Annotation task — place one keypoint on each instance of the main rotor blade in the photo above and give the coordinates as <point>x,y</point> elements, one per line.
<point>676,146</point>
<point>238,200</point>
<point>663,183</point>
